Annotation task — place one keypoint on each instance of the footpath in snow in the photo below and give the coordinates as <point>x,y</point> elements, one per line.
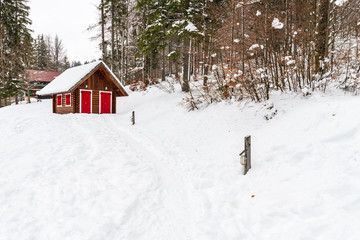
<point>175,175</point>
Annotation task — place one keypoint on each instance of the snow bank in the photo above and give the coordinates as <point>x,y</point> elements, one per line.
<point>176,174</point>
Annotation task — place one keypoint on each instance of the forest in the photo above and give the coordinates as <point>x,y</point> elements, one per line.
<point>215,49</point>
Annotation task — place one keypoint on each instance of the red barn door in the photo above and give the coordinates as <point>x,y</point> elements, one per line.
<point>85,101</point>
<point>105,102</point>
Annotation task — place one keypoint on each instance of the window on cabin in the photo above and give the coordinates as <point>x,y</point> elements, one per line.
<point>59,100</point>
<point>68,99</point>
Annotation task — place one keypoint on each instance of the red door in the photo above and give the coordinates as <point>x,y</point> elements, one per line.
<point>105,102</point>
<point>85,101</point>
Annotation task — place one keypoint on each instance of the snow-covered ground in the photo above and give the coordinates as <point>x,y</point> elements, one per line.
<point>175,175</point>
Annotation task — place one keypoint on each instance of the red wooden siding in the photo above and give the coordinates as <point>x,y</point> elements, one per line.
<point>97,82</point>
<point>62,109</point>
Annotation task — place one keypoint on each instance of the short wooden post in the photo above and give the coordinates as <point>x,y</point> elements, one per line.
<point>133,118</point>
<point>247,143</point>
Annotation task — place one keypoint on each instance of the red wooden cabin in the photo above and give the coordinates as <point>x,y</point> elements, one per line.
<point>89,88</point>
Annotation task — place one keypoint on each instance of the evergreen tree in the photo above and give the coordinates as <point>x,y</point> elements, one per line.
<point>66,63</point>
<point>185,21</point>
<point>16,45</point>
<point>42,53</point>
<point>75,63</point>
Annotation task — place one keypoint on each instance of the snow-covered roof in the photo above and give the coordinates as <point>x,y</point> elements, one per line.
<point>72,77</point>
<point>42,76</point>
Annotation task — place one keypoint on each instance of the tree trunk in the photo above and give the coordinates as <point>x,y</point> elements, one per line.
<point>112,35</point>
<point>163,64</point>
<point>28,94</point>
<point>185,87</point>
<point>243,38</point>
<point>321,47</point>
<point>103,43</point>
<point>170,58</point>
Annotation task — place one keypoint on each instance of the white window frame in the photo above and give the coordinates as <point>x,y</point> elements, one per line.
<point>110,100</point>
<point>86,90</point>
<point>70,99</point>
<point>57,105</point>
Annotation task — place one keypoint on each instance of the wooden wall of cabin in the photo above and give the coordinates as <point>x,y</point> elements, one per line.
<point>113,103</point>
<point>63,109</point>
<point>53,104</point>
<point>76,94</point>
<point>97,82</point>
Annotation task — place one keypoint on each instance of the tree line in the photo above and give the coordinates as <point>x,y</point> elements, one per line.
<point>215,49</point>
<point>231,48</point>
<point>50,54</point>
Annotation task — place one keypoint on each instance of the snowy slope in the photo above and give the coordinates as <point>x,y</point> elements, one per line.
<point>176,174</point>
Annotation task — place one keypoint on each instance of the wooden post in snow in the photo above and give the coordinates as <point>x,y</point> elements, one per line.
<point>247,143</point>
<point>133,118</point>
<point>245,156</point>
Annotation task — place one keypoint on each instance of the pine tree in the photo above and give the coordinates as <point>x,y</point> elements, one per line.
<point>75,63</point>
<point>175,21</point>
<point>42,53</point>
<point>16,42</point>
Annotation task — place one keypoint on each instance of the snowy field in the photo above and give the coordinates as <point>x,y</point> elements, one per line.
<point>175,175</point>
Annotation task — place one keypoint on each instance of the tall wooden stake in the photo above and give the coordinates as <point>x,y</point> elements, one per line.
<point>133,118</point>
<point>247,143</point>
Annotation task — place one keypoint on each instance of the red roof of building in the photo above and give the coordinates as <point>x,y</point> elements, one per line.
<point>42,76</point>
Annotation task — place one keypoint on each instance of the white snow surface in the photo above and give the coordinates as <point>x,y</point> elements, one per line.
<point>69,78</point>
<point>190,27</point>
<point>277,24</point>
<point>340,2</point>
<point>176,174</point>
<point>254,46</point>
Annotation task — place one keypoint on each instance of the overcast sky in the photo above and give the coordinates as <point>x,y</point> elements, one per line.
<point>69,19</point>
